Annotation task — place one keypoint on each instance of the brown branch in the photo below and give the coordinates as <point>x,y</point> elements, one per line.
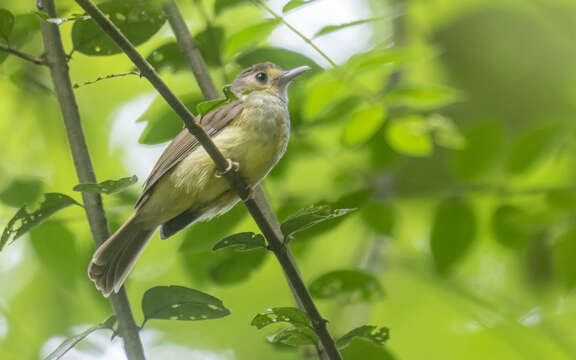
<point>33,59</point>
<point>269,227</point>
<point>56,61</point>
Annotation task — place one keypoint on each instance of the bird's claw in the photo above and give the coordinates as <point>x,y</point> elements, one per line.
<point>232,166</point>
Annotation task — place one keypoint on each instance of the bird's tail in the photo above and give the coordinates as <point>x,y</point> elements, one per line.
<point>114,259</point>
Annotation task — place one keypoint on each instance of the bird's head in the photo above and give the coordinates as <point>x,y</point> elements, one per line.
<point>266,77</point>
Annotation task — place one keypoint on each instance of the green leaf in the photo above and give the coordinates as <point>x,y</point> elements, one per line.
<point>332,28</point>
<point>423,96</point>
<point>181,303</point>
<point>205,107</point>
<point>372,333</point>
<point>379,216</point>
<point>310,216</point>
<point>18,31</point>
<point>24,221</point>
<point>211,43</point>
<point>564,250</point>
<point>286,59</point>
<point>138,20</point>
<point>446,133</point>
<point>482,150</point>
<point>21,191</point>
<point>409,135</point>
<point>511,226</point>
<point>323,93</point>
<point>108,186</point>
<point>453,233</point>
<point>167,56</point>
<point>71,342</point>
<point>244,241</point>
<point>221,5</point>
<point>358,284</point>
<point>366,350</point>
<point>532,146</point>
<point>234,267</point>
<point>295,335</point>
<point>294,4</point>
<point>275,315</point>
<point>249,37</point>
<point>6,25</point>
<point>363,124</point>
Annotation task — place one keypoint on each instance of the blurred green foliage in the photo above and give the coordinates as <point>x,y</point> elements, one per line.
<point>451,133</point>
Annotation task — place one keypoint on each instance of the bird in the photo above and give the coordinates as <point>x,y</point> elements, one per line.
<point>185,186</point>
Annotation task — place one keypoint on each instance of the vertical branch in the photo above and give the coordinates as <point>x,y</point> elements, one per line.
<point>56,61</point>
<point>268,225</point>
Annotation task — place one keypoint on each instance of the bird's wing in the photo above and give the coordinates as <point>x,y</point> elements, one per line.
<point>184,143</point>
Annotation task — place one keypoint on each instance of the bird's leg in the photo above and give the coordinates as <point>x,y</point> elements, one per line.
<point>232,166</point>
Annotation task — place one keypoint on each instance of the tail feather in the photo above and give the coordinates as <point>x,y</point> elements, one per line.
<point>115,258</point>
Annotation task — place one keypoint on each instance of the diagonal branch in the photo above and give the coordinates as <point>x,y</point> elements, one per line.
<point>33,59</point>
<point>268,226</point>
<point>56,61</point>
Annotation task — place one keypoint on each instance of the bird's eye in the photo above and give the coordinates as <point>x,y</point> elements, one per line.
<point>261,77</point>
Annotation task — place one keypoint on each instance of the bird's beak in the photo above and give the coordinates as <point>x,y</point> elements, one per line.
<point>289,75</point>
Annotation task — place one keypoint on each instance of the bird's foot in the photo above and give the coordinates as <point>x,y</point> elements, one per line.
<point>232,166</point>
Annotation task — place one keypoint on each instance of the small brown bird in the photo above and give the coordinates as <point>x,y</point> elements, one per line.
<point>184,185</point>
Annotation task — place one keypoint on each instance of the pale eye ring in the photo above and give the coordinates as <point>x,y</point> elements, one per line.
<point>261,77</point>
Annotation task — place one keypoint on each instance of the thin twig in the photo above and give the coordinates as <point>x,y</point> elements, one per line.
<point>296,31</point>
<point>33,59</point>
<point>57,62</point>
<point>269,228</point>
<point>106,77</point>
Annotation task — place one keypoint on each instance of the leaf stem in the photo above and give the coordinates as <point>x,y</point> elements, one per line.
<point>269,227</point>
<point>296,31</point>
<point>33,59</point>
<point>57,62</point>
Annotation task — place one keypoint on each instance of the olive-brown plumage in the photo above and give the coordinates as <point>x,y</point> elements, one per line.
<point>183,186</point>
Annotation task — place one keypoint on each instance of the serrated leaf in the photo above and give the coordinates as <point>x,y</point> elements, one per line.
<point>295,335</point>
<point>6,25</point>
<point>332,28</point>
<point>138,20</point>
<point>108,186</point>
<point>244,241</point>
<point>358,284</point>
<point>564,250</point>
<point>294,4</point>
<point>167,56</point>
<point>363,124</point>
<point>423,96</point>
<point>409,135</point>
<point>310,216</point>
<point>181,303</point>
<point>221,5</point>
<point>21,191</point>
<point>372,333</point>
<point>453,233</point>
<point>249,37</point>
<point>286,59</point>
<point>25,221</point>
<point>71,342</point>
<point>275,315</point>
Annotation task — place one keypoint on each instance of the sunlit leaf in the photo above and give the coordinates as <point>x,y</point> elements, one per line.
<point>371,333</point>
<point>167,56</point>
<point>71,342</point>
<point>423,97</point>
<point>358,284</point>
<point>286,59</point>
<point>295,335</point>
<point>410,136</point>
<point>21,191</point>
<point>249,37</point>
<point>275,315</point>
<point>243,241</point>
<point>6,25</point>
<point>211,43</point>
<point>138,20</point>
<point>511,226</point>
<point>294,4</point>
<point>221,5</point>
<point>324,92</point>
<point>445,132</point>
<point>309,217</point>
<point>379,216</point>
<point>362,349</point>
<point>453,233</point>
<point>332,28</point>
<point>25,221</point>
<point>181,303</point>
<point>481,153</point>
<point>532,146</point>
<point>108,186</point>
<point>363,124</point>
<point>564,250</point>
<point>55,246</point>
